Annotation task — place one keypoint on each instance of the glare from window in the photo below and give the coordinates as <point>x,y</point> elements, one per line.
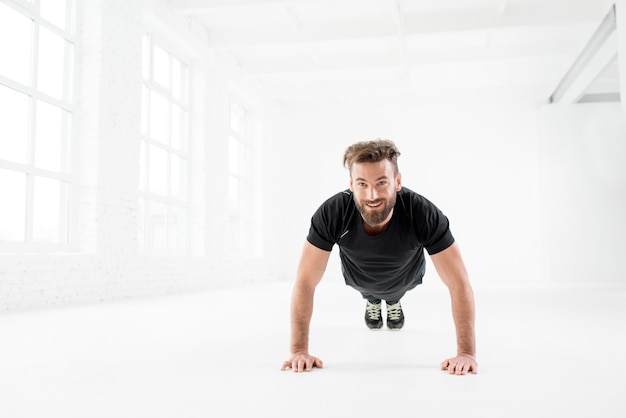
<point>13,207</point>
<point>156,225</point>
<point>51,137</point>
<point>162,71</point>
<point>179,123</point>
<point>179,80</point>
<point>178,224</point>
<point>158,170</point>
<point>36,75</point>
<point>234,155</point>
<point>50,206</point>
<point>52,66</point>
<point>15,42</point>
<point>14,110</point>
<point>164,162</point>
<point>55,11</point>
<point>179,168</point>
<point>159,118</point>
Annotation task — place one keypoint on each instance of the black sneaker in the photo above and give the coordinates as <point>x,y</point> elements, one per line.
<point>373,318</point>
<point>395,316</point>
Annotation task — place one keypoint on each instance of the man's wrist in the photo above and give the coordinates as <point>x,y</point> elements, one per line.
<point>466,354</point>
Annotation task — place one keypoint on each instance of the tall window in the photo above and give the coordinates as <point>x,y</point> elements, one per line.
<point>164,180</point>
<point>240,179</point>
<point>36,64</point>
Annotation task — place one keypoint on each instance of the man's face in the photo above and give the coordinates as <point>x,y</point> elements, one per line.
<point>375,186</point>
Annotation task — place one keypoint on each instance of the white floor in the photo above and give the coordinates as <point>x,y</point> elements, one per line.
<point>543,352</point>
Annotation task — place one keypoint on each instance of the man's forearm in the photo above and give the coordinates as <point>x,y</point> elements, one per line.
<point>463,312</point>
<point>301,312</point>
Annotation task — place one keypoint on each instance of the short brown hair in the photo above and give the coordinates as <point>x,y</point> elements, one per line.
<point>371,152</point>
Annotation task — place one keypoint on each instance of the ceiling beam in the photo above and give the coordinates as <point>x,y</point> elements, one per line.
<point>189,7</point>
<point>405,24</point>
<point>620,18</point>
<point>397,17</point>
<point>317,59</point>
<point>595,56</point>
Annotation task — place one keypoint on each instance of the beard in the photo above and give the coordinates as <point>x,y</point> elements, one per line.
<point>375,217</point>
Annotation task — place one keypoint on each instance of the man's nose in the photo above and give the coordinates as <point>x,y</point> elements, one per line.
<point>373,194</point>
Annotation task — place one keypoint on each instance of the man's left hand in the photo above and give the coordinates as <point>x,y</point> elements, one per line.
<point>461,364</point>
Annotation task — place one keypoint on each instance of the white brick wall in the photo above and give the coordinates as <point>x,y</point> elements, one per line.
<point>107,263</point>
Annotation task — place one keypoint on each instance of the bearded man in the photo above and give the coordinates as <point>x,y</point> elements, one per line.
<point>382,230</point>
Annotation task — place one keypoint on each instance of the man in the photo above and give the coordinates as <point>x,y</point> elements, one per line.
<point>382,230</point>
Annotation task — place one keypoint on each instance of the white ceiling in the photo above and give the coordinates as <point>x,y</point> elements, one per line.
<point>352,51</point>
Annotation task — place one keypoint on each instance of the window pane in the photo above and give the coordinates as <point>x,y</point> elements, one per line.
<point>235,118</point>
<point>178,227</point>
<point>233,155</point>
<point>156,232</point>
<point>244,129</point>
<point>50,198</point>
<point>159,118</point>
<point>245,155</point>
<point>50,77</point>
<point>178,80</point>
<point>51,137</point>
<point>180,176</point>
<point>161,69</point>
<point>179,128</point>
<point>245,195</point>
<point>176,125</point>
<point>158,177</point>
<point>15,44</point>
<point>13,207</point>
<point>55,12</point>
<point>14,111</point>
<point>233,194</point>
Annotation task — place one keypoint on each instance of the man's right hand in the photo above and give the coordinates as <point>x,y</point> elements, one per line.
<point>302,362</point>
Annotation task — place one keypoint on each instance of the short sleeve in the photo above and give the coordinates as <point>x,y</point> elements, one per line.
<point>318,233</point>
<point>326,223</point>
<point>432,226</point>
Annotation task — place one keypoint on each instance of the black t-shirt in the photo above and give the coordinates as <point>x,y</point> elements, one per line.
<point>388,264</point>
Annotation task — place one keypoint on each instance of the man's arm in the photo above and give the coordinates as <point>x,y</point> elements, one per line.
<point>451,269</point>
<point>310,271</point>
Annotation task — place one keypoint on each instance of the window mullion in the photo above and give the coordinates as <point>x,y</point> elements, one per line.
<point>68,87</point>
<point>34,55</point>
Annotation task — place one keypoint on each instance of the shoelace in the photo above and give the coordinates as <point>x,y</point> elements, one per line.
<point>373,310</point>
<point>394,312</point>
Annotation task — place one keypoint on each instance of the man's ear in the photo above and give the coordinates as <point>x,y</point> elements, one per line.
<point>398,182</point>
<point>351,185</point>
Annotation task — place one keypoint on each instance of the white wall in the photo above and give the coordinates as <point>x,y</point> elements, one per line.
<point>583,178</point>
<point>478,162</point>
<point>533,192</point>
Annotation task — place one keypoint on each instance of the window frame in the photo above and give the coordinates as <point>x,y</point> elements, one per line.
<point>241,219</point>
<point>67,104</point>
<point>147,196</point>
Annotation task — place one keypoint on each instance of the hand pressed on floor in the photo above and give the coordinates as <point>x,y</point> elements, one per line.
<point>302,362</point>
<point>461,364</point>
